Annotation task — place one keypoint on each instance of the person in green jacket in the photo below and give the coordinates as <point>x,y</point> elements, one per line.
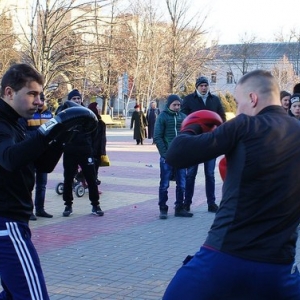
<point>167,127</point>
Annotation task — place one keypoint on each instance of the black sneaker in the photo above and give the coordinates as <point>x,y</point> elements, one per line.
<point>187,207</point>
<point>32,217</point>
<point>96,210</point>
<point>213,208</point>
<point>68,211</point>
<point>180,212</point>
<point>43,214</point>
<point>163,212</point>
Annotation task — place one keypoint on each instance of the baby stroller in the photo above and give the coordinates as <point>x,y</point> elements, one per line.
<point>79,185</point>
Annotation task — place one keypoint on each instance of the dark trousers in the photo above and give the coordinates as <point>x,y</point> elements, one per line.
<point>166,172</point>
<point>213,275</point>
<point>70,164</point>
<point>209,172</point>
<point>40,190</point>
<point>20,268</point>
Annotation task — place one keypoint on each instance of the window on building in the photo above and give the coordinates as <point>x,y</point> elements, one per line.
<point>213,77</point>
<point>229,78</point>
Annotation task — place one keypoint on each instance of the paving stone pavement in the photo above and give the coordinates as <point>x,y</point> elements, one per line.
<point>129,253</point>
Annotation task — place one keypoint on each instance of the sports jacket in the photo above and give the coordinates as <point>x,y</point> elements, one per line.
<point>20,154</point>
<point>260,207</point>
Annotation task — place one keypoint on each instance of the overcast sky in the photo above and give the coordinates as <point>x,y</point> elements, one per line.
<point>230,19</point>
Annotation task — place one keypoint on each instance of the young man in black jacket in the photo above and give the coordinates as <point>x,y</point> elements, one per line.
<point>249,252</point>
<point>199,100</point>
<point>80,152</point>
<point>20,155</point>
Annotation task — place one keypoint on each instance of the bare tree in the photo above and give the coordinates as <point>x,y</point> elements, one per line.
<point>186,42</point>
<point>8,54</point>
<point>58,41</point>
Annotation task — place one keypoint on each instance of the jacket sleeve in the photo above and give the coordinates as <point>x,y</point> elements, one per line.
<point>221,111</point>
<point>158,138</point>
<point>185,106</point>
<point>196,149</point>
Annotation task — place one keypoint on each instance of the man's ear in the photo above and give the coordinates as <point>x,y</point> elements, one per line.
<point>8,93</point>
<point>253,99</point>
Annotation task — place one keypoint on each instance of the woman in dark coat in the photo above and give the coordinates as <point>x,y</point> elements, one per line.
<point>151,117</point>
<point>139,122</point>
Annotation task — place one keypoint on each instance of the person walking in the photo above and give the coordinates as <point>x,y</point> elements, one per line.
<point>167,127</point>
<point>79,152</point>
<point>20,155</point>
<point>199,100</point>
<point>249,252</point>
<point>139,124</point>
<point>151,116</point>
<point>40,117</point>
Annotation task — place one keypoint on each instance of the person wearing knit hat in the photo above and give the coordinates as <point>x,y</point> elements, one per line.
<point>167,127</point>
<point>75,96</point>
<point>294,106</point>
<point>80,152</point>
<point>201,99</point>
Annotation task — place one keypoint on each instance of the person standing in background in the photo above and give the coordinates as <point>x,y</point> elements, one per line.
<point>285,100</point>
<point>167,127</point>
<point>294,106</point>
<point>79,152</point>
<point>199,100</point>
<point>139,122</point>
<point>151,116</point>
<point>42,115</point>
<point>99,140</point>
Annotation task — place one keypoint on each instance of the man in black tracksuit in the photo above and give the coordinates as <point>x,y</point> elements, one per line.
<point>199,100</point>
<point>249,252</point>
<point>20,155</point>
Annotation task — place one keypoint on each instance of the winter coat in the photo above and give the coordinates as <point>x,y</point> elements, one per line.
<point>167,127</point>
<point>193,102</point>
<point>139,122</point>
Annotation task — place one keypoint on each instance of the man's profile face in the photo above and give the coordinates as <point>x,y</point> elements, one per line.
<point>25,101</point>
<point>243,101</point>
<point>202,88</point>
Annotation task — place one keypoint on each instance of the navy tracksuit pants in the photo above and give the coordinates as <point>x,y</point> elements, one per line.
<point>213,275</point>
<point>20,269</point>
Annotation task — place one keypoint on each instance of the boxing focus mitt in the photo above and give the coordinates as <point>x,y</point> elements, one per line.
<point>77,118</point>
<point>201,121</point>
<point>223,168</point>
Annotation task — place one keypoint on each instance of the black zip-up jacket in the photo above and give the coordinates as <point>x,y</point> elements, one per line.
<point>260,208</point>
<point>20,154</point>
<point>193,102</point>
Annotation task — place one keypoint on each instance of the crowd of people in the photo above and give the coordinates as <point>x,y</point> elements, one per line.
<point>254,232</point>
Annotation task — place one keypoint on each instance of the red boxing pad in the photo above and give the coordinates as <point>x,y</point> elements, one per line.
<point>223,168</point>
<point>207,119</point>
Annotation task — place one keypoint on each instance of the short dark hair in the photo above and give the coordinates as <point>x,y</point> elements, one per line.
<point>263,81</point>
<point>284,94</point>
<point>18,75</point>
<point>296,88</point>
